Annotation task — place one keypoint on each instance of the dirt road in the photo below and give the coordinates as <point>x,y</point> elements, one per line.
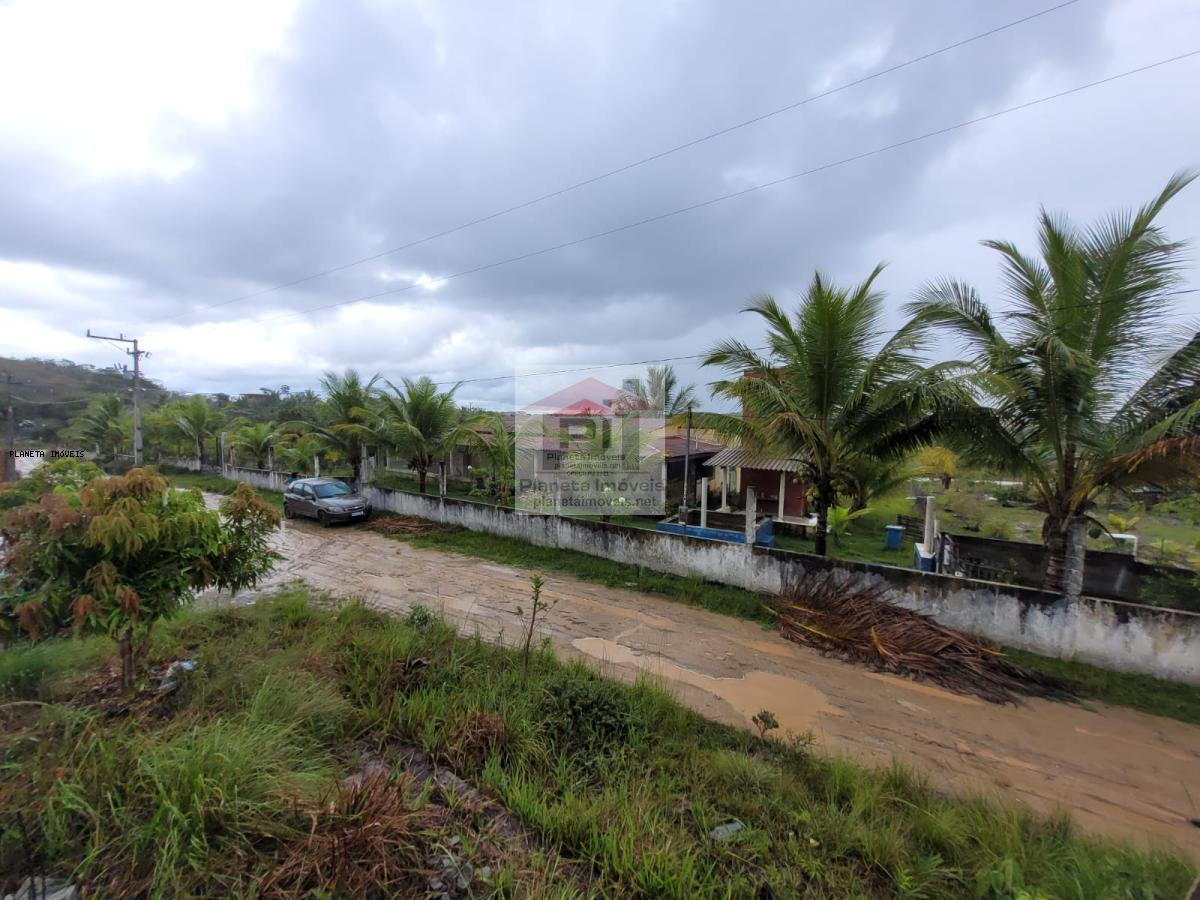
<point>1118,772</point>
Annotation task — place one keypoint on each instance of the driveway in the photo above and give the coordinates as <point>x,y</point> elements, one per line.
<point>1118,772</point>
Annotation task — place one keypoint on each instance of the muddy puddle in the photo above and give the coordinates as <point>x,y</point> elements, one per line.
<point>795,704</point>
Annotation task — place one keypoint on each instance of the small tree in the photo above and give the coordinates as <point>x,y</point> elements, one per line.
<point>938,462</point>
<point>538,605</point>
<point>840,518</point>
<point>764,720</point>
<point>118,554</point>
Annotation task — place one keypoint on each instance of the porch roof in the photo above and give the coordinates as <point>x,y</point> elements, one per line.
<point>737,458</point>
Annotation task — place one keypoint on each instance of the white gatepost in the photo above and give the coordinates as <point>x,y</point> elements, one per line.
<point>751,516</point>
<point>703,502</point>
<point>316,466</point>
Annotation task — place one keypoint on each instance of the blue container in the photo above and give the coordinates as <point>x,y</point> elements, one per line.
<point>895,536</point>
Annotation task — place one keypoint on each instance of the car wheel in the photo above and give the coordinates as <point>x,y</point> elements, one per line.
<point>323,518</point>
<point>287,512</point>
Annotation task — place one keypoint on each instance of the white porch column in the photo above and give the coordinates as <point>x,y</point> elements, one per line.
<point>725,488</point>
<point>751,515</point>
<point>782,491</point>
<point>703,502</point>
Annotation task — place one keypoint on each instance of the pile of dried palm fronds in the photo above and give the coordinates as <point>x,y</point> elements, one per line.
<point>402,525</point>
<point>853,620</point>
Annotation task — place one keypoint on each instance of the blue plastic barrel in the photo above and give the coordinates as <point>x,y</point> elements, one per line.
<point>895,536</point>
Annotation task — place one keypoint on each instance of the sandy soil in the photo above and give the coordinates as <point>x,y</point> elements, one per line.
<point>1118,772</point>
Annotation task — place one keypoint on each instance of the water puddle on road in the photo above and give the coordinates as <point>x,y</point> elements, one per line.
<point>794,703</point>
<point>927,689</point>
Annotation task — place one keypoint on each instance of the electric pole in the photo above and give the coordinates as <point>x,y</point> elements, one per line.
<point>137,400</point>
<point>10,463</point>
<point>687,466</point>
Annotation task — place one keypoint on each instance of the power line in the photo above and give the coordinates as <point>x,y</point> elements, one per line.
<point>639,362</point>
<point>642,362</point>
<point>33,402</point>
<point>639,162</point>
<point>743,192</point>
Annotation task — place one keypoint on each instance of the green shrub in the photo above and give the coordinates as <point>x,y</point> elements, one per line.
<point>1012,496</point>
<point>996,528</point>
<point>419,618</point>
<point>584,714</point>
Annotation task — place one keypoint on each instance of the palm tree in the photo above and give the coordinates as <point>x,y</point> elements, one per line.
<point>660,390</point>
<point>345,418</point>
<point>1061,406</point>
<point>821,396</point>
<point>420,422</point>
<point>489,434</point>
<point>938,462</point>
<point>256,440</point>
<point>196,421</point>
<point>104,424</point>
<point>295,451</point>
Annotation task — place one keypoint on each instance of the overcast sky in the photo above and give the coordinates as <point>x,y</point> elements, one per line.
<point>158,158</point>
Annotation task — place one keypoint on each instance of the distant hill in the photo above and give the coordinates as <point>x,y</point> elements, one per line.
<point>47,393</point>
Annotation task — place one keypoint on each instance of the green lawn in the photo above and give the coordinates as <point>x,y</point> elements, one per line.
<point>866,540</point>
<point>249,779</point>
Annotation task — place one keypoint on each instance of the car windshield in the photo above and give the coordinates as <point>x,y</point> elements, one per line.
<point>333,489</point>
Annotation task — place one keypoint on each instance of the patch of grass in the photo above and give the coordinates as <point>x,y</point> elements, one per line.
<point>510,551</point>
<point>258,780</point>
<point>1144,693</point>
<point>36,671</point>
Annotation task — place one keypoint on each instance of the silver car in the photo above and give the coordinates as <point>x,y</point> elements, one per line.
<point>325,499</point>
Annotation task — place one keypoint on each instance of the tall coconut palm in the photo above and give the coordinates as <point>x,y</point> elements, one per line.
<point>196,421</point>
<point>104,425</point>
<point>256,441</point>
<point>660,390</point>
<point>1061,406</point>
<point>345,418</point>
<point>420,422</point>
<point>823,395</point>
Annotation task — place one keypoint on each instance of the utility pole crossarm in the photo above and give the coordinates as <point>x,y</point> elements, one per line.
<point>137,355</point>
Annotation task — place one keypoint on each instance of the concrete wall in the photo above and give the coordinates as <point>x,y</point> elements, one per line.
<point>1109,633</point>
<point>189,463</point>
<point>263,479</point>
